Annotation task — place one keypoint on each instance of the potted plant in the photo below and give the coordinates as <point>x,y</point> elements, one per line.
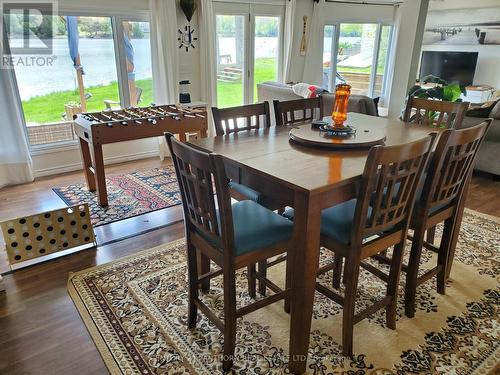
<point>435,88</point>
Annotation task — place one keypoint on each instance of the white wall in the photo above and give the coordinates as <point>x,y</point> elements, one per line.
<point>410,19</point>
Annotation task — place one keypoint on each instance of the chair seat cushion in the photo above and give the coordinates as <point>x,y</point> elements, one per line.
<point>244,190</point>
<point>336,221</point>
<point>256,227</point>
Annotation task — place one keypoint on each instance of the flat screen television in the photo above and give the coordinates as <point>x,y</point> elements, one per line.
<point>454,67</point>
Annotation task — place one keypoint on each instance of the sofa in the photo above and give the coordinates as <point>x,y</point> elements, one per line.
<point>488,158</point>
<point>269,91</point>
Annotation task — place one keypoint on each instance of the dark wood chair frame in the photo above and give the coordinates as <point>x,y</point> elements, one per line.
<point>197,173</point>
<point>285,111</point>
<point>450,114</point>
<point>448,176</point>
<point>251,114</point>
<point>388,222</point>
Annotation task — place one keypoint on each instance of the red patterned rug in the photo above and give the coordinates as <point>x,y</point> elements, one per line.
<point>129,195</point>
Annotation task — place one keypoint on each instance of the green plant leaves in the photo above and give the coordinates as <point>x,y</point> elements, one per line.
<point>452,92</point>
<point>442,90</point>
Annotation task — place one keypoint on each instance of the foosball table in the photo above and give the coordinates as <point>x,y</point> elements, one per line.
<point>99,128</point>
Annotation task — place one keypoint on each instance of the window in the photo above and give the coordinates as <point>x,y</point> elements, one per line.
<point>248,50</point>
<point>100,71</point>
<point>356,53</point>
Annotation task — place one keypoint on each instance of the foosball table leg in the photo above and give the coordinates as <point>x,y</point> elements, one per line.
<point>87,164</point>
<point>100,177</point>
<point>182,137</point>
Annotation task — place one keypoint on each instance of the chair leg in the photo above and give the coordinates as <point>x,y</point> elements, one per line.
<point>193,284</point>
<point>393,284</point>
<point>229,276</point>
<point>444,255</point>
<point>351,275</point>
<point>204,267</point>
<point>412,272</point>
<point>288,281</point>
<point>337,271</point>
<point>262,271</point>
<point>251,280</point>
<point>431,234</point>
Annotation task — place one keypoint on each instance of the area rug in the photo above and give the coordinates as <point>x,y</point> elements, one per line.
<point>135,309</point>
<point>128,194</point>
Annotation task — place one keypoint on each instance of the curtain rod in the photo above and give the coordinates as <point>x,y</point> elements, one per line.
<point>361,2</point>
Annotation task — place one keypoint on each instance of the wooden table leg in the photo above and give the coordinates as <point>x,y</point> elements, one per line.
<point>87,164</point>
<point>100,176</point>
<point>182,137</point>
<point>305,261</point>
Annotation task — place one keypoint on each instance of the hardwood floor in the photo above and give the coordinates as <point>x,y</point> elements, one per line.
<point>40,329</point>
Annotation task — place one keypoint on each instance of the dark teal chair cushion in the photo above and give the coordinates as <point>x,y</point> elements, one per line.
<point>336,221</point>
<point>256,227</point>
<point>244,190</point>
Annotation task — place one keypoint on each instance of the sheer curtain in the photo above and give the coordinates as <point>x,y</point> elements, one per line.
<point>207,58</point>
<point>288,38</point>
<point>313,66</point>
<point>164,55</point>
<point>15,158</point>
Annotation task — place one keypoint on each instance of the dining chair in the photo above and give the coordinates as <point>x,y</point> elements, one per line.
<point>442,194</point>
<point>238,119</point>
<point>376,219</point>
<point>290,112</point>
<point>437,113</point>
<point>232,236</point>
<point>434,113</point>
<point>245,117</point>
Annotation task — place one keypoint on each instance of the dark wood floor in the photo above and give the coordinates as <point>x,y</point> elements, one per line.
<point>40,329</point>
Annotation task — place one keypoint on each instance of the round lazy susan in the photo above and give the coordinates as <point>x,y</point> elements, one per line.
<point>326,136</point>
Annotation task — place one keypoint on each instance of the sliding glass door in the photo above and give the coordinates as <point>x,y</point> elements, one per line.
<point>357,53</point>
<point>248,50</point>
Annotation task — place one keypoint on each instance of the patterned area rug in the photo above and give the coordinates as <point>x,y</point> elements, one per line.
<point>128,195</point>
<point>135,309</point>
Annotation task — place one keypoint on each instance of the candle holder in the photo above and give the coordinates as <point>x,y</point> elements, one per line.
<point>339,113</point>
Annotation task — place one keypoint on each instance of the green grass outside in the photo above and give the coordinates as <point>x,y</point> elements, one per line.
<point>230,94</point>
<point>49,108</point>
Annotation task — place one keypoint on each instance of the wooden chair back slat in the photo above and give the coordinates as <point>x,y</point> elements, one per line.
<point>298,110</point>
<point>388,187</point>
<point>435,113</point>
<point>451,164</point>
<point>202,179</point>
<point>242,118</point>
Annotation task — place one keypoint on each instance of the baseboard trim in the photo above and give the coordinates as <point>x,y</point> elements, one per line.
<point>107,161</point>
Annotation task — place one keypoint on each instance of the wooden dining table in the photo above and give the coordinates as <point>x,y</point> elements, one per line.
<point>309,180</point>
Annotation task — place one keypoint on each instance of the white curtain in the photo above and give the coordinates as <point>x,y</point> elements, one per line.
<point>165,56</point>
<point>15,158</point>
<point>288,34</point>
<point>208,58</point>
<point>313,66</point>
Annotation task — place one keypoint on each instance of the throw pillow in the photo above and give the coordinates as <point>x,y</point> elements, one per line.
<point>307,91</point>
<point>495,112</point>
<point>482,110</point>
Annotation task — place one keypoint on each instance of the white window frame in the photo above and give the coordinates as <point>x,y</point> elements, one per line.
<point>376,50</point>
<point>117,29</point>
<point>250,11</point>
